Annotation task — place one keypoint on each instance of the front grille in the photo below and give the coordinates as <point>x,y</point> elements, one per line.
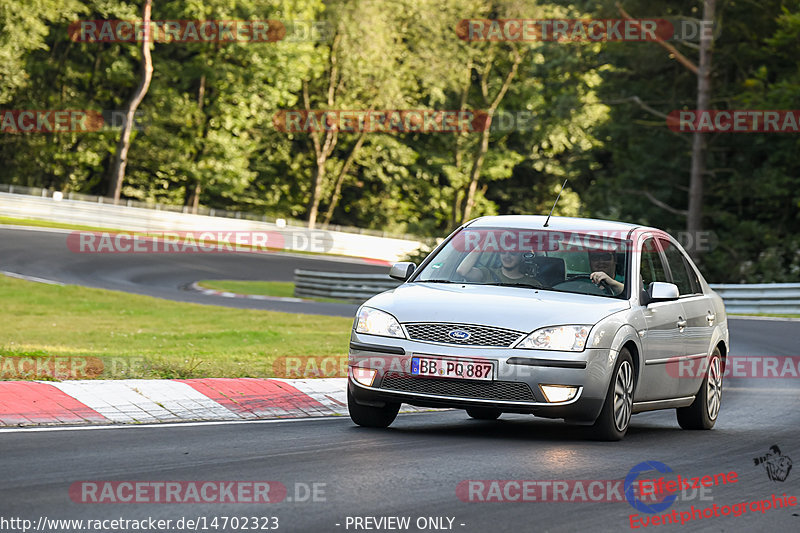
<point>478,335</point>
<point>510,391</point>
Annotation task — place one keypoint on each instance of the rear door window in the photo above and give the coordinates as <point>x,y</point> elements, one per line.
<point>693,279</point>
<point>677,266</point>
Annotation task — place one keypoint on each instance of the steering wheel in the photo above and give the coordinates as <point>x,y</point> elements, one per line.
<point>582,280</point>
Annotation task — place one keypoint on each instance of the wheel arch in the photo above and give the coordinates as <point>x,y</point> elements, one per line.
<point>635,355</point>
<point>723,351</point>
<point>627,337</point>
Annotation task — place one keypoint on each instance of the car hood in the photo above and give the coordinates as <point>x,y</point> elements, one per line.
<point>504,307</point>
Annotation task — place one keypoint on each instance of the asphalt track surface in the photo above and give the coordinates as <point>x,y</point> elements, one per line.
<point>413,468</point>
<point>44,254</point>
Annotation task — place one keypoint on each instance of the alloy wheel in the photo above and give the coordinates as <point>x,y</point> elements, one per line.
<point>714,388</point>
<point>623,396</point>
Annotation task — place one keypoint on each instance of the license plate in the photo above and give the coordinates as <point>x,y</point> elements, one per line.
<point>452,368</point>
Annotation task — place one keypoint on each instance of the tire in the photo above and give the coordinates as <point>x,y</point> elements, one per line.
<point>484,413</point>
<point>371,417</point>
<point>615,417</point>
<point>703,412</point>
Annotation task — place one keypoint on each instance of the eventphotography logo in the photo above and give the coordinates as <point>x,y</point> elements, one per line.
<point>775,463</point>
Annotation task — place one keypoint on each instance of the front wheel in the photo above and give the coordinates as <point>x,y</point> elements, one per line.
<point>371,417</point>
<point>703,412</point>
<point>484,413</point>
<point>612,424</point>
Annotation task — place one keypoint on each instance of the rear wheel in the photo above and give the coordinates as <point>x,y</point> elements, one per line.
<point>371,417</point>
<point>484,413</point>
<point>612,424</point>
<point>703,412</point>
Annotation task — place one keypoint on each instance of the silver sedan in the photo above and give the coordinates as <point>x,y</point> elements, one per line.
<point>586,320</point>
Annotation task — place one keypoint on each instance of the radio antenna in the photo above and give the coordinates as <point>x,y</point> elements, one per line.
<point>554,203</point>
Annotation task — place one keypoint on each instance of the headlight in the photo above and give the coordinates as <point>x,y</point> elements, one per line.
<point>562,338</point>
<point>375,322</point>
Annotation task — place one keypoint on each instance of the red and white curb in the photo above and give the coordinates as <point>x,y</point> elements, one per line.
<point>226,294</point>
<point>24,403</point>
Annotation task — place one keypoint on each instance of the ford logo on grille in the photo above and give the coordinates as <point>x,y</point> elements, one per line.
<point>459,334</point>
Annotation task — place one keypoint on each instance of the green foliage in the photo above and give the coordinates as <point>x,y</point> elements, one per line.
<point>589,107</point>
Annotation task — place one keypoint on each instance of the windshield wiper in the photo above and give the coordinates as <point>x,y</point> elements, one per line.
<point>500,284</point>
<point>437,281</point>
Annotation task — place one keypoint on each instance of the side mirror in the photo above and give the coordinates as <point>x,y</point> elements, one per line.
<point>658,291</point>
<point>403,271</point>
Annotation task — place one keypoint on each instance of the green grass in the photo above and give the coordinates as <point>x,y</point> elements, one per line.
<point>48,224</point>
<point>259,288</point>
<point>140,336</point>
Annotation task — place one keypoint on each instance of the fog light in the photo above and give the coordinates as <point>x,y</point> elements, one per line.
<point>365,376</point>
<point>558,393</point>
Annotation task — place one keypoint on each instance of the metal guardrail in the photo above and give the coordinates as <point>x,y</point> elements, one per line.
<point>137,219</point>
<point>350,287</point>
<point>201,210</point>
<point>778,298</point>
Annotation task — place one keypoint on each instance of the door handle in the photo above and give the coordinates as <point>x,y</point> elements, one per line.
<point>710,317</point>
<point>681,324</point>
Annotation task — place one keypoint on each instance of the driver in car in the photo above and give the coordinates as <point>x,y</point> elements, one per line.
<point>512,270</point>
<point>603,265</point>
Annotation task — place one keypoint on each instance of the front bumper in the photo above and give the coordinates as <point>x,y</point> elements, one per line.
<point>516,387</point>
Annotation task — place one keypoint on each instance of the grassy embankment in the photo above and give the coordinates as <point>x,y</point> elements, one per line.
<point>140,336</point>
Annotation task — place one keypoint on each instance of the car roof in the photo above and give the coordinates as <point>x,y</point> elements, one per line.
<point>556,223</point>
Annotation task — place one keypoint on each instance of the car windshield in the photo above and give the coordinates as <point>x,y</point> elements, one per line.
<point>581,262</point>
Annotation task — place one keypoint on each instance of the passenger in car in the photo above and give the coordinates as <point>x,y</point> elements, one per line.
<point>511,270</point>
<point>603,265</point>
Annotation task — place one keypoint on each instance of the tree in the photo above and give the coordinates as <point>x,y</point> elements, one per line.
<point>362,69</point>
<point>694,214</point>
<point>117,171</point>
<point>25,27</point>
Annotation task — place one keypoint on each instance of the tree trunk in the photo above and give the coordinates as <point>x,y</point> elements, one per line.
<point>477,165</point>
<point>694,219</point>
<point>455,216</point>
<point>322,150</point>
<point>483,147</point>
<point>117,174</point>
<point>694,214</point>
<point>337,190</point>
<point>316,192</point>
<point>194,198</point>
